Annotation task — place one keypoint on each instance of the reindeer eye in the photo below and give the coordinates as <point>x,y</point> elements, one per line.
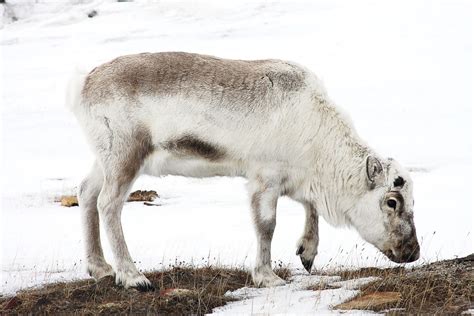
<point>392,203</point>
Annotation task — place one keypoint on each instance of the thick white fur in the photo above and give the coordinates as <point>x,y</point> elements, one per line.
<point>305,148</point>
<point>74,88</point>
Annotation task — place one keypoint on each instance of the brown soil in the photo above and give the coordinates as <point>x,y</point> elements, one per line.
<point>180,290</point>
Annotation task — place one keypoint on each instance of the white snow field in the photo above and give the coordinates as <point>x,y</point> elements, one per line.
<point>401,69</point>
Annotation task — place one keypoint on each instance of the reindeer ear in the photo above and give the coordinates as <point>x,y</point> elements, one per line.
<point>374,169</point>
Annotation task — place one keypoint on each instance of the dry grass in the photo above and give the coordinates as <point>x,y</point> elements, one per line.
<point>142,196</point>
<point>444,287</point>
<point>136,196</point>
<point>441,288</point>
<point>201,290</point>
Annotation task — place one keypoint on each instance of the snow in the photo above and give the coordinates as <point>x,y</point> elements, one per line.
<point>402,70</point>
<point>294,298</point>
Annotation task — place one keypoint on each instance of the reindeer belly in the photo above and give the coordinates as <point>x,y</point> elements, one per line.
<point>166,162</point>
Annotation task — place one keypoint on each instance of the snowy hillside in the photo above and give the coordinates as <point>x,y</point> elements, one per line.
<point>401,69</point>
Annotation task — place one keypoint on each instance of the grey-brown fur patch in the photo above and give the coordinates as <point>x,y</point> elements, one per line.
<point>223,81</point>
<point>189,145</point>
<point>255,201</point>
<point>88,193</point>
<point>140,147</point>
<point>265,228</point>
<point>311,229</point>
<point>404,241</point>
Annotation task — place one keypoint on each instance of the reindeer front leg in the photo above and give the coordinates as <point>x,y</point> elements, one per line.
<point>307,247</point>
<point>264,197</point>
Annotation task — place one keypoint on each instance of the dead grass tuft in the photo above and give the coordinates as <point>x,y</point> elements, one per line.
<point>180,290</point>
<point>444,287</point>
<point>136,196</point>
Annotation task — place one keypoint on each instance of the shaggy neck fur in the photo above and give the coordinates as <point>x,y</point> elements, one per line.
<point>339,161</point>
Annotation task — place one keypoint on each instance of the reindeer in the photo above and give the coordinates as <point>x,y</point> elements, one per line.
<point>269,121</point>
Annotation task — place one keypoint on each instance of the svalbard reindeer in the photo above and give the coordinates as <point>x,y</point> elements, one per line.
<point>269,121</point>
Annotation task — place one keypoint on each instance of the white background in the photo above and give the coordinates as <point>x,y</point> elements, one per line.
<point>401,69</point>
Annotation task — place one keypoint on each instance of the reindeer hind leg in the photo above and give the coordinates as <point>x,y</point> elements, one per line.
<point>88,193</point>
<point>121,168</point>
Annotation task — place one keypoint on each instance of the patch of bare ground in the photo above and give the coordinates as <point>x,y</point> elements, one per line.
<point>137,196</point>
<point>180,290</point>
<point>441,288</point>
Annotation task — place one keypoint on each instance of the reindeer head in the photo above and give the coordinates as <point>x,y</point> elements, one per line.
<point>384,213</point>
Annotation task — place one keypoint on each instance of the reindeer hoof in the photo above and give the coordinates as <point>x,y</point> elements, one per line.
<point>100,269</point>
<point>145,287</point>
<point>307,264</point>
<point>265,277</point>
<point>133,279</point>
<point>307,250</point>
<point>300,250</point>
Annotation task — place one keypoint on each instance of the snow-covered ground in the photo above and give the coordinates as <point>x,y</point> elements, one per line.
<point>402,69</point>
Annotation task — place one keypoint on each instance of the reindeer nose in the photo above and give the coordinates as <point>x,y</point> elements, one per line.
<point>410,251</point>
<point>411,256</point>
